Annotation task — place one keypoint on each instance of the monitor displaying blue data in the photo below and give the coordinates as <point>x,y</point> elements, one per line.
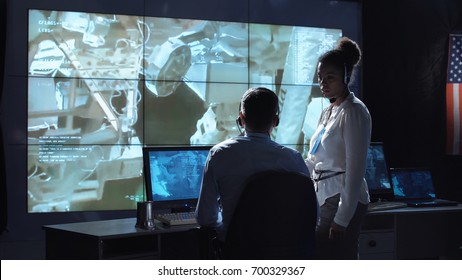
<point>173,175</point>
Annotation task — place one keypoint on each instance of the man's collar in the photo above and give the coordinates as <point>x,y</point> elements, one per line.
<point>257,134</point>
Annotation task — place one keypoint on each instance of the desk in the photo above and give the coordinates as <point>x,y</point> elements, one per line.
<point>406,233</point>
<point>412,233</point>
<point>120,239</point>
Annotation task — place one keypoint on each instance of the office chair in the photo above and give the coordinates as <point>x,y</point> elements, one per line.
<point>275,218</point>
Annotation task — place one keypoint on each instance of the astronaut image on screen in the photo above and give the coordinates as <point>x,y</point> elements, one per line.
<point>282,58</point>
<point>83,101</point>
<point>101,86</point>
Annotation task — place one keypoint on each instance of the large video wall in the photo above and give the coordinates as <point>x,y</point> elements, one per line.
<point>89,85</point>
<point>102,85</point>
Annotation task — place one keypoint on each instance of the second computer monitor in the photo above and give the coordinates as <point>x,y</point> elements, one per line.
<point>377,173</point>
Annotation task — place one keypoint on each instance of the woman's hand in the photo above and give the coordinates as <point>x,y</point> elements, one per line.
<point>336,231</point>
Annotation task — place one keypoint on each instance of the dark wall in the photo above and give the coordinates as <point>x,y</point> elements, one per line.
<point>405,45</point>
<point>3,200</point>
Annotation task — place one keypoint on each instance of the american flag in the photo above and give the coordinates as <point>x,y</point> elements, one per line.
<point>454,96</point>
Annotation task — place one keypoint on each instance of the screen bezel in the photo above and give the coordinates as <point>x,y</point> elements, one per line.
<point>175,204</point>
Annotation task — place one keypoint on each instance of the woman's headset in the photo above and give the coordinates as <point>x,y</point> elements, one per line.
<point>346,79</point>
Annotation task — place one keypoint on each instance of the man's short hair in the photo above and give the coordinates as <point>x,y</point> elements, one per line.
<point>260,107</point>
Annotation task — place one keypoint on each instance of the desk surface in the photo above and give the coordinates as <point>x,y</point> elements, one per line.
<point>418,210</point>
<point>117,227</point>
<point>120,227</point>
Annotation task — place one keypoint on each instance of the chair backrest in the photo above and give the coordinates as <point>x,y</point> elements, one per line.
<point>275,218</point>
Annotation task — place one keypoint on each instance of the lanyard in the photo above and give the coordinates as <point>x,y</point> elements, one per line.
<point>318,141</point>
<point>325,119</point>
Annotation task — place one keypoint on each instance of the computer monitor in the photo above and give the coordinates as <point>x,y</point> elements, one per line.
<point>412,183</point>
<point>173,175</point>
<point>377,173</point>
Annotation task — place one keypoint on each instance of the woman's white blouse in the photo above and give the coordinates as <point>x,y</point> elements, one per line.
<point>343,147</point>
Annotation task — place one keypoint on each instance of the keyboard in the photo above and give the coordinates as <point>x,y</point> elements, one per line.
<point>385,205</point>
<point>179,218</point>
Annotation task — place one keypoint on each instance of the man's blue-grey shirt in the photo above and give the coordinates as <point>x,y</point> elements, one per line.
<point>229,163</point>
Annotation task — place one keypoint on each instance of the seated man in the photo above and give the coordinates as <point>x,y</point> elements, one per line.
<point>230,162</point>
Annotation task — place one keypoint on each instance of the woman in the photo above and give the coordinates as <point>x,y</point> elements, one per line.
<point>337,156</point>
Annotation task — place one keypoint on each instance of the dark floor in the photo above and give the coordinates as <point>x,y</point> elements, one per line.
<point>22,250</point>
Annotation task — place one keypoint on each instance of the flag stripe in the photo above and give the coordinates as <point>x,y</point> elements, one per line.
<point>449,119</point>
<point>454,119</point>
<point>456,101</point>
<point>459,117</point>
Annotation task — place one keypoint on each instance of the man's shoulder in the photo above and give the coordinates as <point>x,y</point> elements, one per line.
<point>245,143</point>
<point>288,149</point>
<point>225,143</point>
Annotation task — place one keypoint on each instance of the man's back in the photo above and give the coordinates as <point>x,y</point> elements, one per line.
<point>230,163</point>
